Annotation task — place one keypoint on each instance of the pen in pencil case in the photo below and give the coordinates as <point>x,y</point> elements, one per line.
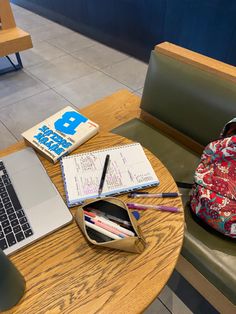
<point>147,194</point>
<point>103,231</point>
<point>157,207</point>
<point>109,223</point>
<point>125,223</point>
<point>105,226</point>
<point>120,221</point>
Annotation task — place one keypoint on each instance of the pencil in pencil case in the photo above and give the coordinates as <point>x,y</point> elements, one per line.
<point>116,211</point>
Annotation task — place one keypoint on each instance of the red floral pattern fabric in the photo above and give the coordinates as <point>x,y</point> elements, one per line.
<point>213,196</point>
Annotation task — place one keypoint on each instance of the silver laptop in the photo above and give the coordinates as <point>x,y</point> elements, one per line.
<point>30,205</point>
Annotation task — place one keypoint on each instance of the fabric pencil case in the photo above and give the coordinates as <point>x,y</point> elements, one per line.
<point>107,222</point>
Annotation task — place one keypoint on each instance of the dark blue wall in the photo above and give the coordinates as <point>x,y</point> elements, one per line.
<point>205,26</point>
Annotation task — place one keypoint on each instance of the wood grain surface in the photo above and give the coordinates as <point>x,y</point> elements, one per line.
<point>65,274</point>
<point>114,110</point>
<point>14,40</point>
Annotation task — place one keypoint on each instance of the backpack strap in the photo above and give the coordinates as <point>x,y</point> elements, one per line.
<point>229,129</point>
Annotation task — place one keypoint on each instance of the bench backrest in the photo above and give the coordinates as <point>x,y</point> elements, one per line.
<point>193,94</point>
<point>6,16</point>
<point>12,38</point>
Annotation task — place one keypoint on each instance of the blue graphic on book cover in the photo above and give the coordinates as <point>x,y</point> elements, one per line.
<point>61,133</point>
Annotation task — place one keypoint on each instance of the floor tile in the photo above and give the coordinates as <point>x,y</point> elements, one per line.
<point>22,115</point>
<point>20,16</point>
<point>4,63</point>
<point>72,42</point>
<point>19,85</point>
<point>6,137</point>
<point>28,21</point>
<point>129,72</point>
<point>99,55</point>
<point>172,302</point>
<point>157,307</point>
<point>85,90</point>
<point>60,70</point>
<point>140,91</point>
<point>48,31</point>
<point>42,51</point>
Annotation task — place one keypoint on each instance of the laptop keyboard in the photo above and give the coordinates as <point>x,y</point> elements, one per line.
<point>14,226</point>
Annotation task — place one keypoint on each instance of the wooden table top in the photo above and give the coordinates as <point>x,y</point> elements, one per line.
<point>64,274</point>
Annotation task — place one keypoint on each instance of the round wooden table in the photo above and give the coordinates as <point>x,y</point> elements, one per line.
<point>64,274</point>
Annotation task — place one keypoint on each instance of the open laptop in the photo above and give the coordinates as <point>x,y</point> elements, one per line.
<point>30,205</point>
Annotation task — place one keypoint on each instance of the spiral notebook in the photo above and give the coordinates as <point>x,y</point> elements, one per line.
<point>129,169</point>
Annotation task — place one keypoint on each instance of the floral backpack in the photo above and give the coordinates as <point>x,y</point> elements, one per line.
<point>213,194</point>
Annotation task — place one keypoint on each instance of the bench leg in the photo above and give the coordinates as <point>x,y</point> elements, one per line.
<point>19,60</point>
<point>13,67</point>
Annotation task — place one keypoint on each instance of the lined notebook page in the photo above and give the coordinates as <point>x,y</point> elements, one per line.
<point>128,169</point>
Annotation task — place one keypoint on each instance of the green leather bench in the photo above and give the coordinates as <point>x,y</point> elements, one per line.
<point>187,98</point>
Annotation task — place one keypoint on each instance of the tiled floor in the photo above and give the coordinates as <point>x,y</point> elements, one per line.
<point>74,71</point>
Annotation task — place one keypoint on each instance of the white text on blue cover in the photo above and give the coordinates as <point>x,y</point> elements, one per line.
<point>67,124</point>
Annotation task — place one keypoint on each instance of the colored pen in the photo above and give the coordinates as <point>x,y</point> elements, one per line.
<point>101,230</point>
<point>110,223</point>
<point>104,172</point>
<point>154,195</point>
<point>157,207</point>
<point>120,221</point>
<point>113,218</point>
<point>105,226</point>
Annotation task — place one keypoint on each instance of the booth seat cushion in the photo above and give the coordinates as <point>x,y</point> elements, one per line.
<point>210,253</point>
<point>180,161</point>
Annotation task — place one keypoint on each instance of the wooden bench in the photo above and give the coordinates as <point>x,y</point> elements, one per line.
<point>12,38</point>
<point>183,91</point>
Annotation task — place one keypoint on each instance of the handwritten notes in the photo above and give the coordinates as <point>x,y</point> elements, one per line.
<point>128,169</point>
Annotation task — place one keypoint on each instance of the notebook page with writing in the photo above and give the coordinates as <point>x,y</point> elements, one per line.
<point>128,170</point>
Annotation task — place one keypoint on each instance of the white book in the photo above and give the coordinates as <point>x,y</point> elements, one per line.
<point>60,134</point>
<point>129,169</point>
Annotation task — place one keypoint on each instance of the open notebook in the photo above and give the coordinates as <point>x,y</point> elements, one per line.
<point>128,170</point>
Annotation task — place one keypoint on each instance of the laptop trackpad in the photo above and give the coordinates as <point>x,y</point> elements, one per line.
<point>33,186</point>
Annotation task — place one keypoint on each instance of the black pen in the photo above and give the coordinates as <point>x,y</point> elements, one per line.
<point>147,194</point>
<point>104,172</point>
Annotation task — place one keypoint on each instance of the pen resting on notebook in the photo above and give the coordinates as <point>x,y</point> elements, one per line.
<point>104,172</point>
<point>128,168</point>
